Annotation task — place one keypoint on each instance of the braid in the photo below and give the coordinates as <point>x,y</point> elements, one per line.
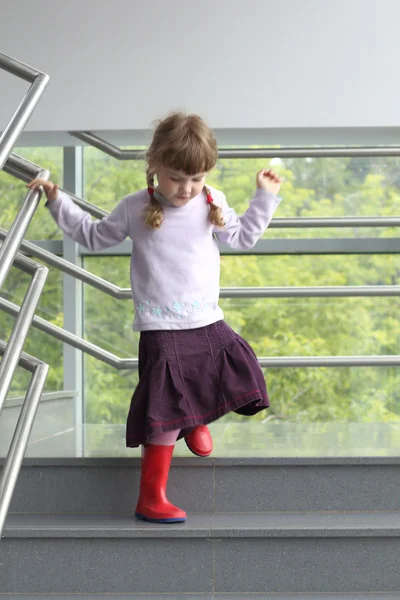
<point>153,215</point>
<point>215,217</point>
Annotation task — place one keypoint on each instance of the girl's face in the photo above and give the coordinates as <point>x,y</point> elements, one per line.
<point>178,187</point>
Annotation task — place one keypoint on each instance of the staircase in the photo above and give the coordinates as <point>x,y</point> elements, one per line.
<point>257,528</point>
<point>276,529</point>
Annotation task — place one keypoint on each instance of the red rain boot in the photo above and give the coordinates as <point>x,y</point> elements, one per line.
<point>199,441</point>
<point>153,504</point>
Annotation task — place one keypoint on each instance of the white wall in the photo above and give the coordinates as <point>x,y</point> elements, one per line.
<point>119,64</point>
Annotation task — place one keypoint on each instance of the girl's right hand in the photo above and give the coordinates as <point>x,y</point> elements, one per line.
<point>50,188</point>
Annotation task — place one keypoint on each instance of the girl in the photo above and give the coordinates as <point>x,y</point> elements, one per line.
<point>193,368</point>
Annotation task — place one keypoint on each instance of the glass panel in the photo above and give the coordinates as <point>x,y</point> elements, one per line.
<point>324,397</point>
<point>13,191</point>
<point>260,437</point>
<point>314,412</point>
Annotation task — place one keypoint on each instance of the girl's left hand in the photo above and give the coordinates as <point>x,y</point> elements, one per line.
<point>268,180</point>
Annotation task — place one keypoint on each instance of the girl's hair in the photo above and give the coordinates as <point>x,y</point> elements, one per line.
<point>184,143</point>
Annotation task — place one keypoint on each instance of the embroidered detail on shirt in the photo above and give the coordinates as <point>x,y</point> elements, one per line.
<point>176,310</point>
<point>178,307</point>
<point>156,311</point>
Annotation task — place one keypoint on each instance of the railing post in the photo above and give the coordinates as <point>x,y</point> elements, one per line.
<point>73,299</point>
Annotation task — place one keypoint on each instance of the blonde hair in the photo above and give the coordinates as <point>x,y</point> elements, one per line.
<point>185,143</point>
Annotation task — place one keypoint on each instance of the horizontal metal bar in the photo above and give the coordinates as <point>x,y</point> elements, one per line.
<point>311,292</point>
<point>322,246</point>
<point>329,361</point>
<point>285,222</point>
<point>284,246</point>
<point>326,152</point>
<point>93,140</point>
<point>228,292</point>
<point>337,222</point>
<point>73,340</point>
<point>276,362</point>
<point>23,169</point>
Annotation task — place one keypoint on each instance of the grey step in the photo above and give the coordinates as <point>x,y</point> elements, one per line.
<point>263,596</point>
<point>110,486</point>
<point>260,553</point>
<point>354,596</point>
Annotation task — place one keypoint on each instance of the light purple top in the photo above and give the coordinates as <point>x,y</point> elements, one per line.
<point>174,269</point>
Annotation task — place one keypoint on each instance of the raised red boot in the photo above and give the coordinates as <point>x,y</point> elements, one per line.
<point>199,441</point>
<point>153,504</point>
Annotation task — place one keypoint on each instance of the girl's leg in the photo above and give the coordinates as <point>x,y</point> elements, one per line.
<point>153,504</point>
<point>164,439</point>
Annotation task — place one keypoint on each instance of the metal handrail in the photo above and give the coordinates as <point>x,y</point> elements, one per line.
<point>93,140</point>
<point>132,363</point>
<point>23,113</point>
<point>12,351</point>
<point>227,292</point>
<point>23,169</point>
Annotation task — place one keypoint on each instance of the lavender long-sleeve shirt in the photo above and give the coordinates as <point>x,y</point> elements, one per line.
<point>175,269</point>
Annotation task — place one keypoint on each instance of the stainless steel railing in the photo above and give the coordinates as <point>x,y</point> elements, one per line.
<point>12,351</point>
<point>23,113</point>
<point>132,363</point>
<point>120,293</point>
<point>24,170</point>
<point>93,140</point>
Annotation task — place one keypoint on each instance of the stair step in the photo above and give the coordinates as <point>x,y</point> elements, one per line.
<point>179,596</point>
<point>203,525</point>
<point>211,554</point>
<point>110,486</point>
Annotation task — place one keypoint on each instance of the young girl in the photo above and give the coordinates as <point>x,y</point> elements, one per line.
<point>193,368</point>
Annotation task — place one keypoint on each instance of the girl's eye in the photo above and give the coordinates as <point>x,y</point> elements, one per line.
<point>174,178</point>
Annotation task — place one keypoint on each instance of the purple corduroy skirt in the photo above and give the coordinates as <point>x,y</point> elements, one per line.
<point>193,377</point>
